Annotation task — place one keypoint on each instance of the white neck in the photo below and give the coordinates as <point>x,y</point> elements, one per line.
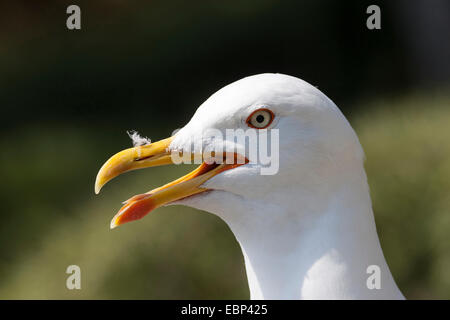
<point>328,262</point>
<point>297,254</point>
<point>312,241</point>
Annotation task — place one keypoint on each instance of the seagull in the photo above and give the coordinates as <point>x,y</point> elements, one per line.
<point>306,231</point>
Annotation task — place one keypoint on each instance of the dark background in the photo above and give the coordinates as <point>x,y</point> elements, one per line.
<point>67,98</point>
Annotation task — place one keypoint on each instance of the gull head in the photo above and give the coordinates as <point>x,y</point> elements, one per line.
<point>281,165</point>
<point>265,143</point>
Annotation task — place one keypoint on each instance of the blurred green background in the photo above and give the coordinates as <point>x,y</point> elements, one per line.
<point>68,97</point>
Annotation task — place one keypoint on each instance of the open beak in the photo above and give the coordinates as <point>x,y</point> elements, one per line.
<point>151,155</point>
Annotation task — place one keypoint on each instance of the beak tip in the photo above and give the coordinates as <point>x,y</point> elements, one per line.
<point>99,183</point>
<point>113,224</point>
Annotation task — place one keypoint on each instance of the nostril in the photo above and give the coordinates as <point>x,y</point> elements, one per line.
<point>143,158</point>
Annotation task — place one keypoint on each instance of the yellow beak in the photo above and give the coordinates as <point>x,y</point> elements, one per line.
<point>151,155</point>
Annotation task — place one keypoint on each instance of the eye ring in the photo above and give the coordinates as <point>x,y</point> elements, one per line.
<point>260,119</point>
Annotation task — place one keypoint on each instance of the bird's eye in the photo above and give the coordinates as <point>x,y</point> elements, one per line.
<point>260,118</point>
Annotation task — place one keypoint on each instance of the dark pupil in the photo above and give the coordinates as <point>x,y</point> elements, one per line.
<point>260,118</point>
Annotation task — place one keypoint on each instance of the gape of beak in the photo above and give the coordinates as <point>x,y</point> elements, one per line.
<point>157,154</point>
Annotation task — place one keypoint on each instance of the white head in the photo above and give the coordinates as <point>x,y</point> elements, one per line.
<point>317,146</point>
<point>318,191</point>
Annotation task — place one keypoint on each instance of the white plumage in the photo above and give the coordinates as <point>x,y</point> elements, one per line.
<point>307,232</point>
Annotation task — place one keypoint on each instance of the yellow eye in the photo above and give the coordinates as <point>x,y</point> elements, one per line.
<point>260,119</point>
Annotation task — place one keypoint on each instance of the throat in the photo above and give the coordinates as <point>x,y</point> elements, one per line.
<point>327,255</point>
<point>308,242</point>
